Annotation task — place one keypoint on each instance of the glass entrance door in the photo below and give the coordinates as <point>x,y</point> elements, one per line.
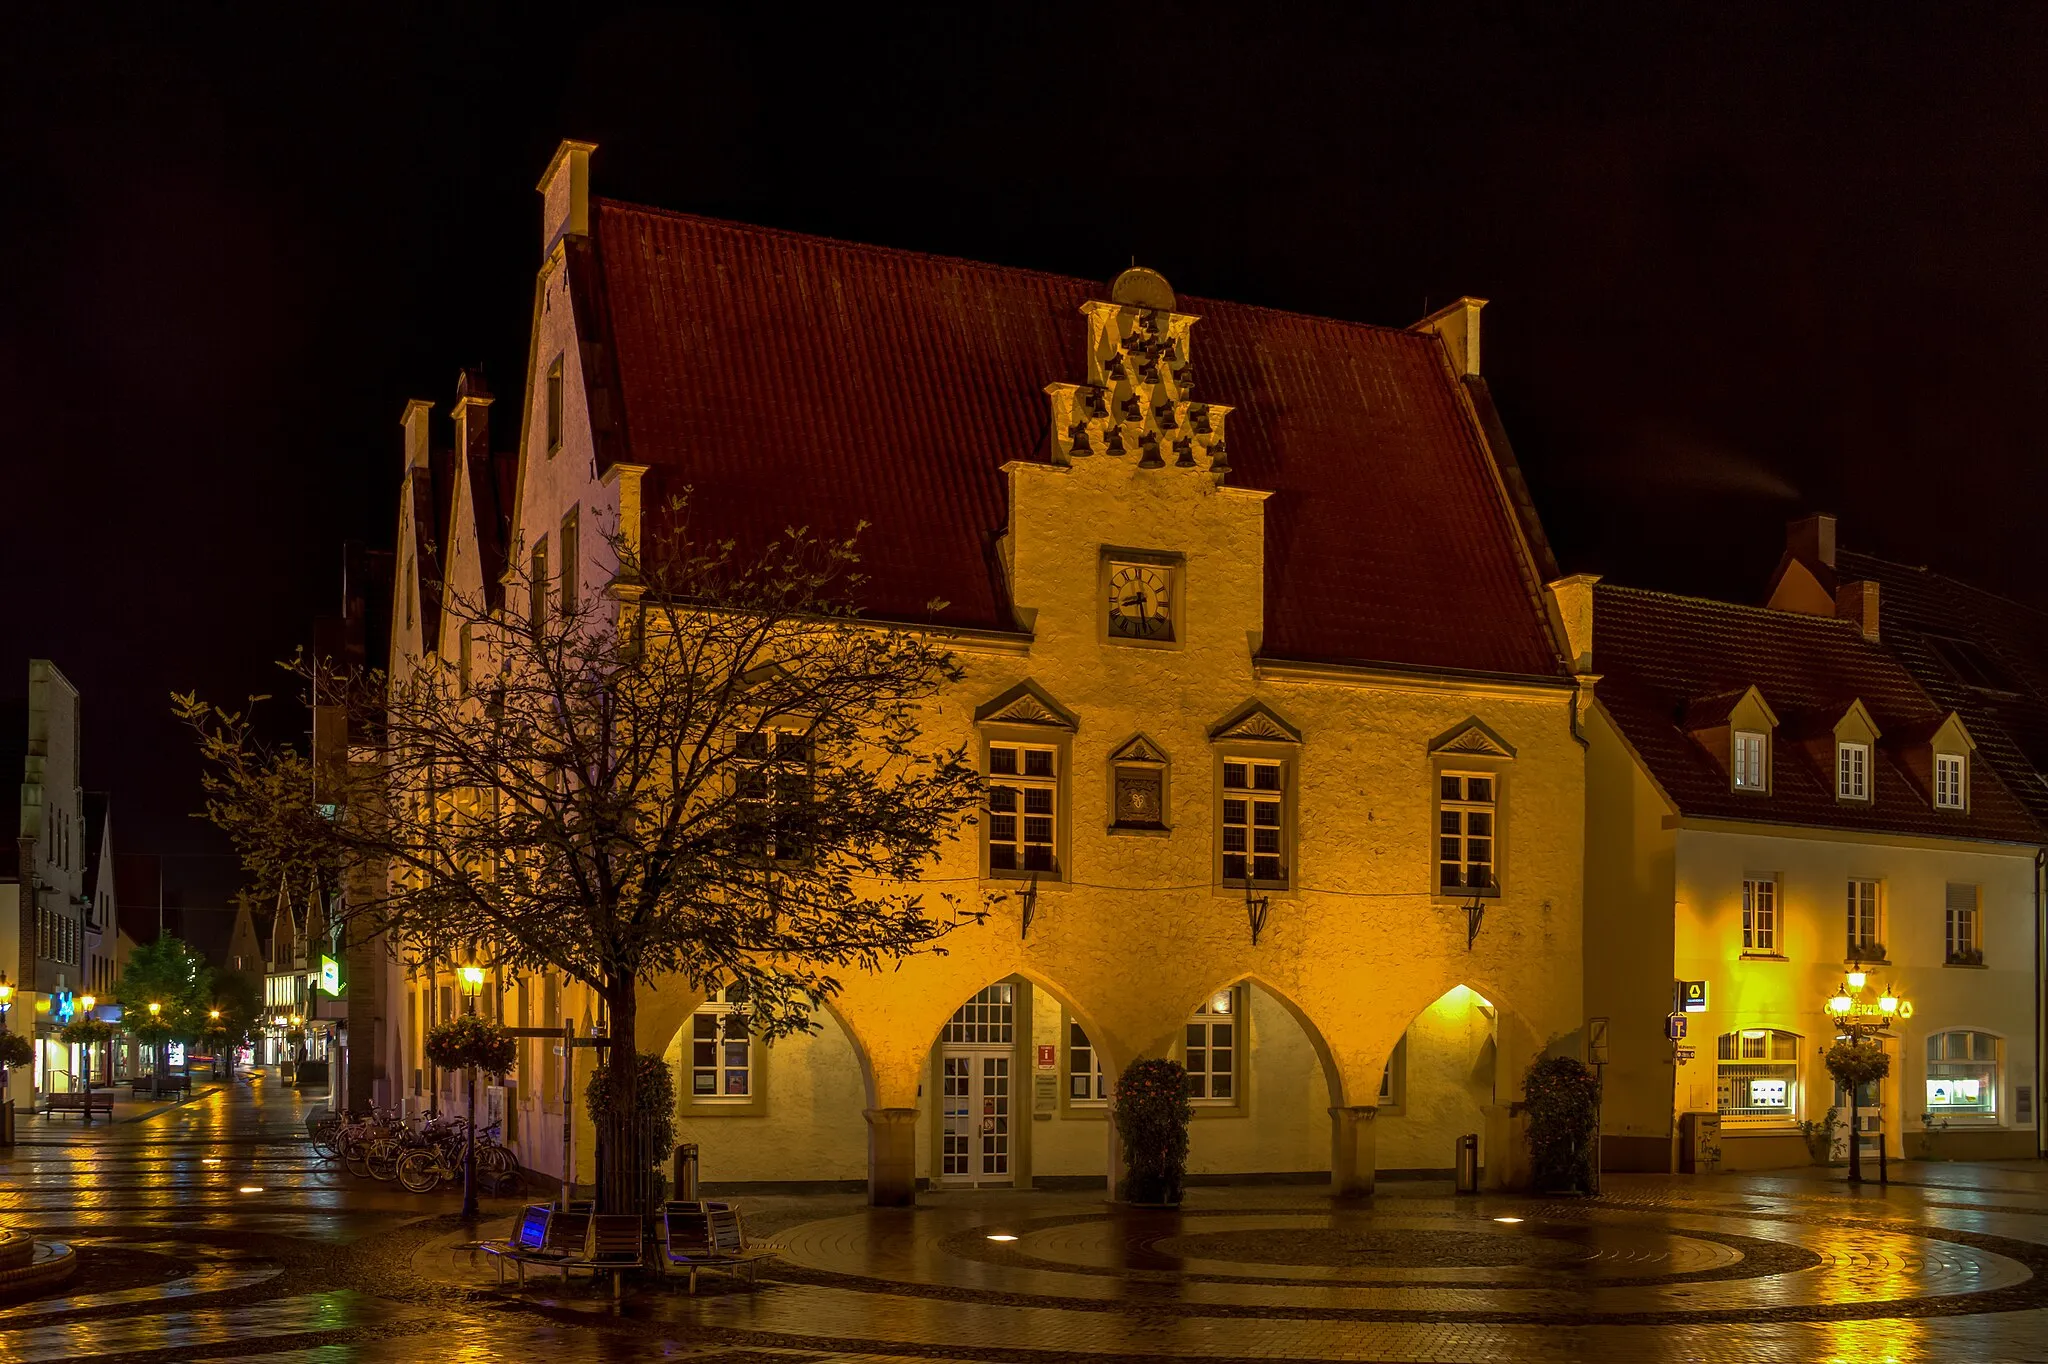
<point>977,1117</point>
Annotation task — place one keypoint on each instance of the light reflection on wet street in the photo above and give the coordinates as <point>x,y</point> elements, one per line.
<point>212,1231</point>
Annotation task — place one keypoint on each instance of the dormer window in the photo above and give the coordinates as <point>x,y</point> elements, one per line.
<point>1852,771</point>
<point>1750,761</point>
<point>1949,790</point>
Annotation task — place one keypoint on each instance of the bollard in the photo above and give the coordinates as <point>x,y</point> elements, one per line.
<point>686,1173</point>
<point>1468,1163</point>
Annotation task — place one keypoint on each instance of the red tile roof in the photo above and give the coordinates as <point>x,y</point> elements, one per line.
<point>1662,656</point>
<point>789,379</point>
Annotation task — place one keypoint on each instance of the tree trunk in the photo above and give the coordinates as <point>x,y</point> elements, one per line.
<point>622,1157</point>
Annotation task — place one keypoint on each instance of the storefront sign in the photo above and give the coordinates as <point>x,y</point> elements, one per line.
<point>330,975</point>
<point>1692,996</point>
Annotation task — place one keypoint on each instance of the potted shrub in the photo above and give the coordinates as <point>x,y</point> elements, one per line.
<point>652,1127</point>
<point>1152,1115</point>
<point>1563,1106</point>
<point>1820,1136</point>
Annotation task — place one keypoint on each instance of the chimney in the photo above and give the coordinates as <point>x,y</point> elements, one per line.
<point>1571,609</point>
<point>1458,325</point>
<point>472,415</point>
<point>1855,601</point>
<point>1812,538</point>
<point>565,195</point>
<point>415,423</point>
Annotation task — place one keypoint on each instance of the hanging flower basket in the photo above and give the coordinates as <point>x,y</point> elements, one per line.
<point>471,1041</point>
<point>1152,1116</point>
<point>1856,1062</point>
<point>16,1050</point>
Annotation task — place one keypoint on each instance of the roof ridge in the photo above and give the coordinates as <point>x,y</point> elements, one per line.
<point>903,252</point>
<point>1948,578</point>
<point>1745,607</point>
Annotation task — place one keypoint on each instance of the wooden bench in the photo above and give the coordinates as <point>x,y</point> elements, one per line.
<point>708,1236</point>
<point>615,1245</point>
<point>77,1101</point>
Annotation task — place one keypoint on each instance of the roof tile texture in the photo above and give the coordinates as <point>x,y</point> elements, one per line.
<point>794,380</point>
<point>1658,653</point>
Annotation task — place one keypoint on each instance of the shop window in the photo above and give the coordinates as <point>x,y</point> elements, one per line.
<point>722,1049</point>
<point>1757,1075</point>
<point>1962,1075</point>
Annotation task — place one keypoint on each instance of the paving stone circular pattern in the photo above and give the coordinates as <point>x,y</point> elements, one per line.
<point>1435,1260</point>
<point>1365,1248</point>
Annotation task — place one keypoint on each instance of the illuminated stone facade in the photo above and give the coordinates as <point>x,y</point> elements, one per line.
<point>1273,866</point>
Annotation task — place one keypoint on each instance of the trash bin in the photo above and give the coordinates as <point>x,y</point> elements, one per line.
<point>1468,1163</point>
<point>686,1173</point>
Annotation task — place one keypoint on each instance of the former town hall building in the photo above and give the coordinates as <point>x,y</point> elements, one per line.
<point>1283,745</point>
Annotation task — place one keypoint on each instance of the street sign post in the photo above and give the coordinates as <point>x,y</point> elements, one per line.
<point>1674,1027</point>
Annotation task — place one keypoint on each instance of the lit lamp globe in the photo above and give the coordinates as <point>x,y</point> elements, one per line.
<point>155,1009</point>
<point>88,1003</point>
<point>472,979</point>
<point>1856,979</point>
<point>1889,1003</point>
<point>6,991</point>
<point>1839,1006</point>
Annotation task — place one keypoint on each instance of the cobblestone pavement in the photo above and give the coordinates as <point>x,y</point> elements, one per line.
<point>211,1232</point>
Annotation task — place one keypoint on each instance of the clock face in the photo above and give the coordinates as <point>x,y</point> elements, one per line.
<point>1139,603</point>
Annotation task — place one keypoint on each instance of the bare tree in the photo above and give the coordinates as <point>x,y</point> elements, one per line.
<point>716,769</point>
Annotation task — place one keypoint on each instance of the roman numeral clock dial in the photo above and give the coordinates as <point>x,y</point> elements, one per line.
<point>1140,602</point>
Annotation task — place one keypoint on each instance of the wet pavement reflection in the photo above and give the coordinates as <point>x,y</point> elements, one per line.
<point>212,1231</point>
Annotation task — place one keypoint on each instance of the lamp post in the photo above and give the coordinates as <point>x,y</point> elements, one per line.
<point>1858,1021</point>
<point>219,1036</point>
<point>156,1068</point>
<point>472,977</point>
<point>6,1089</point>
<point>86,1004</point>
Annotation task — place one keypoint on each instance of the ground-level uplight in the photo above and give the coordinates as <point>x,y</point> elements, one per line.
<point>252,1188</point>
<point>1002,1236</point>
<point>1507,1219</point>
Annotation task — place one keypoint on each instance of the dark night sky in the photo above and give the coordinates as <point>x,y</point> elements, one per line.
<point>1740,268</point>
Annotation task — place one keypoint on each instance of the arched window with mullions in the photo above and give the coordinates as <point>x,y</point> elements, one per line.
<point>1962,1075</point>
<point>1757,1076</point>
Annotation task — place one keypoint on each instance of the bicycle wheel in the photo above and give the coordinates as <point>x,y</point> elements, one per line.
<point>383,1159</point>
<point>496,1171</point>
<point>355,1157</point>
<point>419,1172</point>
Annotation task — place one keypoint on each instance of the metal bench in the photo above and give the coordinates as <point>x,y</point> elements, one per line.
<point>79,1102</point>
<point>563,1237</point>
<point>700,1236</point>
<point>530,1237</point>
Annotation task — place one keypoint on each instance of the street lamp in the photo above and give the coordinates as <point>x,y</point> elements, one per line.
<point>6,1089</point>
<point>1856,1021</point>
<point>156,1073</point>
<point>86,1005</point>
<point>472,978</point>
